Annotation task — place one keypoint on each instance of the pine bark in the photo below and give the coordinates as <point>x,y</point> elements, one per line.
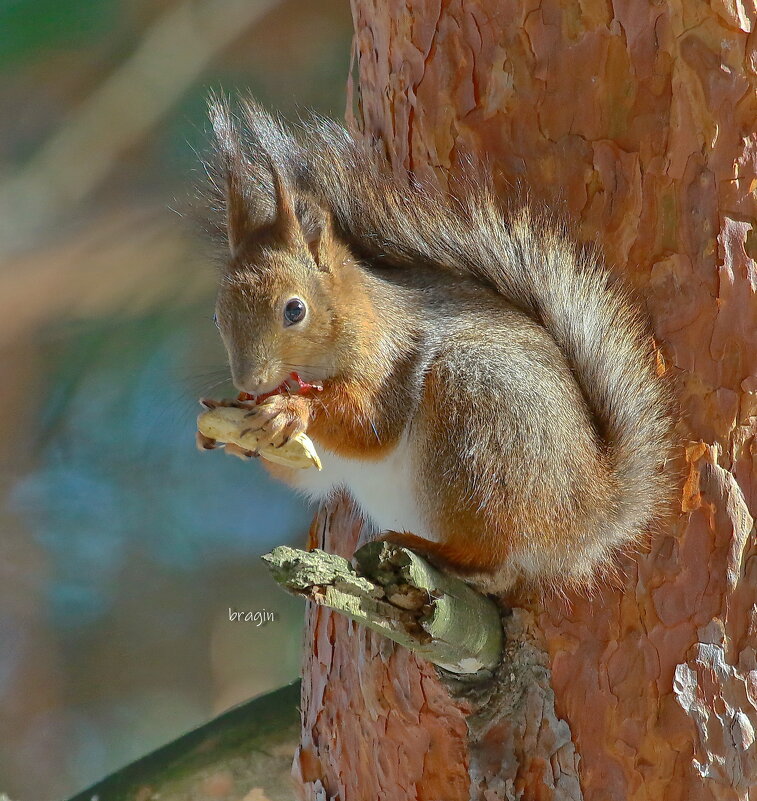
<point>638,121</point>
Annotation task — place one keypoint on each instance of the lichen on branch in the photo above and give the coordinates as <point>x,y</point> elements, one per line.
<point>393,591</point>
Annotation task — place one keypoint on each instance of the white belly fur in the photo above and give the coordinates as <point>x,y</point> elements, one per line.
<point>384,489</point>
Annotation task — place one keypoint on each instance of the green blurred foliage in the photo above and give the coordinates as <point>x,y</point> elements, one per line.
<point>32,27</point>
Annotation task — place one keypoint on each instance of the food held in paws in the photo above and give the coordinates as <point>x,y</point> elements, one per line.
<point>235,426</point>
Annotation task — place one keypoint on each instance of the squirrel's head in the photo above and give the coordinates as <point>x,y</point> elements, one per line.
<point>275,308</point>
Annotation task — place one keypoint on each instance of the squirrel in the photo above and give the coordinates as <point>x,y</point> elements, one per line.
<point>489,392</point>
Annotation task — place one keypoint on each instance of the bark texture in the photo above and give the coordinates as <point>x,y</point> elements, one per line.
<point>377,722</point>
<point>637,119</point>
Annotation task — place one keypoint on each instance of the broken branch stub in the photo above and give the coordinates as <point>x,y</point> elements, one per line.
<point>396,593</point>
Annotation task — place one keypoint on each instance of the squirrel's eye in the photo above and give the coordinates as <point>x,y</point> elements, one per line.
<point>215,321</point>
<point>294,311</point>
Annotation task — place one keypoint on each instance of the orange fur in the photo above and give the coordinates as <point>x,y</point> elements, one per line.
<point>341,417</point>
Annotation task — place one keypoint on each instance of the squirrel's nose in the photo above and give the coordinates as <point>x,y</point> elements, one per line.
<point>254,383</point>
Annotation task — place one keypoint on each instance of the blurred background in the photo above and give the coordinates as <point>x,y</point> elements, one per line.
<point>121,547</point>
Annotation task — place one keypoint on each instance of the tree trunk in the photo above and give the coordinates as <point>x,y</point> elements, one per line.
<point>639,122</point>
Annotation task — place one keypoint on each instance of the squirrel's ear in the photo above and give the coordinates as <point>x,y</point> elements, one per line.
<point>254,194</point>
<point>317,230</point>
<point>286,224</point>
<point>229,173</point>
<point>244,188</point>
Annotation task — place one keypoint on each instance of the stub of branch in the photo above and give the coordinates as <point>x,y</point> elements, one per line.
<point>396,593</point>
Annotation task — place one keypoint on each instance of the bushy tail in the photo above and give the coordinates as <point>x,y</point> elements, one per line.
<point>527,259</point>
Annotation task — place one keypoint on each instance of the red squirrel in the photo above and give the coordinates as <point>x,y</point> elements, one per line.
<point>489,394</point>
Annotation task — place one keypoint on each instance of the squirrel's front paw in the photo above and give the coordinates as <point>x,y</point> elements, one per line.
<point>278,419</point>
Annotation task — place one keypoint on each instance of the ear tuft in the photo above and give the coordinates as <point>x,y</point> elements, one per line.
<point>252,173</point>
<point>233,173</point>
<point>256,175</point>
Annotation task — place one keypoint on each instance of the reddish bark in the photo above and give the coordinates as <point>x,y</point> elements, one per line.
<point>376,720</point>
<point>639,120</point>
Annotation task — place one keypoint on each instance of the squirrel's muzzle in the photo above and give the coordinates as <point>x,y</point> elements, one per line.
<point>254,379</point>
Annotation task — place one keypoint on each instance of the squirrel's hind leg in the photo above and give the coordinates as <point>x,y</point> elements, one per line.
<point>443,555</point>
<point>500,580</point>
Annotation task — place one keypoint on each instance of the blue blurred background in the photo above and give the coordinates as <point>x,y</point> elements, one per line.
<point>122,547</point>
